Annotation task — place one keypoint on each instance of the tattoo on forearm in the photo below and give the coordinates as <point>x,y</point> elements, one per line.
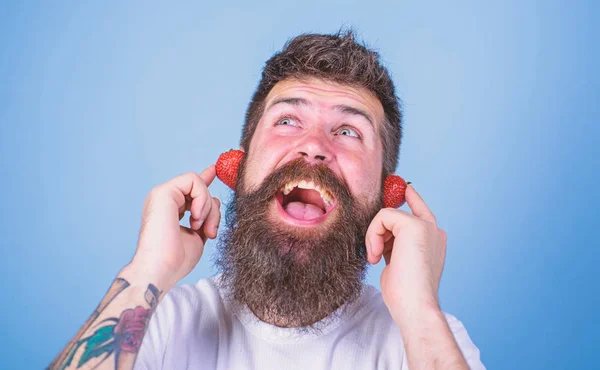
<point>113,335</point>
<point>152,295</point>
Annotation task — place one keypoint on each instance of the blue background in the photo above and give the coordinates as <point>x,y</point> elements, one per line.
<point>101,102</point>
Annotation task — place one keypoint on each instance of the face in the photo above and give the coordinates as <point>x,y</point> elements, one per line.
<point>323,123</point>
<point>293,249</point>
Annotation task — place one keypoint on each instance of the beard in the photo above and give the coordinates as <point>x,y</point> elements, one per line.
<point>290,276</point>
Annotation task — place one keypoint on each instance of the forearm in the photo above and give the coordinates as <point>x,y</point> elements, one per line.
<point>111,337</point>
<point>428,341</point>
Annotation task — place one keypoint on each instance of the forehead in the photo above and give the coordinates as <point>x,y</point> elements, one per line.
<point>325,94</point>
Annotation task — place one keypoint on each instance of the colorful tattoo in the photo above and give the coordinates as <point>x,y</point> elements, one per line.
<point>117,336</point>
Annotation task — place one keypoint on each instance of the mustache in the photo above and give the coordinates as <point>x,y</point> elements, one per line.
<point>297,170</point>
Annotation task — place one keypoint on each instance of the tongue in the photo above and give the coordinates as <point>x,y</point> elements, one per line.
<point>303,211</point>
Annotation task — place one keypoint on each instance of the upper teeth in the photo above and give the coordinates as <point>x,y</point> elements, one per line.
<point>325,195</point>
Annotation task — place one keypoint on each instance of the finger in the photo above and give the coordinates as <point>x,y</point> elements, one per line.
<point>209,174</point>
<point>384,226</point>
<point>197,229</point>
<point>200,232</point>
<point>194,223</point>
<point>197,206</point>
<point>204,209</point>
<point>200,213</point>
<point>186,207</point>
<point>417,205</point>
<point>211,224</point>
<point>188,186</point>
<point>387,250</point>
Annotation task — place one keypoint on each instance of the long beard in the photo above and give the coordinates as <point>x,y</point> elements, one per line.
<point>286,276</point>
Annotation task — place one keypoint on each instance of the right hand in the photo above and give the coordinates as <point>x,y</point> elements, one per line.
<point>167,251</point>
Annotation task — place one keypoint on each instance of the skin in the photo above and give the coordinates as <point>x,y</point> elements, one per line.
<point>412,244</point>
<point>318,135</point>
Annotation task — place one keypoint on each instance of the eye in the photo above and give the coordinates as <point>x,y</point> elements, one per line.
<point>287,121</point>
<point>348,131</point>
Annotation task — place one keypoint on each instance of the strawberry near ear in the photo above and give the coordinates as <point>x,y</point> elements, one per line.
<point>227,167</point>
<point>394,190</point>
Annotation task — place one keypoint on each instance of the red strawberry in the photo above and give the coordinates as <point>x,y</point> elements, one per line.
<point>227,167</point>
<point>394,190</point>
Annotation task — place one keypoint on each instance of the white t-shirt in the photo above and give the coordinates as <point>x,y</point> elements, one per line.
<point>195,327</point>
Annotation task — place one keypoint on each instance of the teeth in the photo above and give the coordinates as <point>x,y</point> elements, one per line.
<point>306,185</point>
<point>327,198</point>
<point>325,195</point>
<point>288,188</point>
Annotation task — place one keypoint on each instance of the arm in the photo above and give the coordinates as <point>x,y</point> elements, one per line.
<point>414,249</point>
<point>429,342</point>
<point>114,330</point>
<point>166,252</point>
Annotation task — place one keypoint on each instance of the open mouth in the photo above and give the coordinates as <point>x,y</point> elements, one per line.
<point>304,202</point>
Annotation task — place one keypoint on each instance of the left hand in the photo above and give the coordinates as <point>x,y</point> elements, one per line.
<point>414,249</point>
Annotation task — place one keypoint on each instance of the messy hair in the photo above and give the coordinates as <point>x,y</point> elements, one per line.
<point>337,58</point>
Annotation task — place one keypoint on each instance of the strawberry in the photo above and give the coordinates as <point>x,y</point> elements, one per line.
<point>227,167</point>
<point>394,190</point>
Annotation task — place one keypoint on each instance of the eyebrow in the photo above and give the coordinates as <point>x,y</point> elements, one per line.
<point>297,102</point>
<point>342,108</point>
<point>346,109</point>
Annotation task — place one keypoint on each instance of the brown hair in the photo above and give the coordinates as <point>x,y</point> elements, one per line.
<point>337,58</point>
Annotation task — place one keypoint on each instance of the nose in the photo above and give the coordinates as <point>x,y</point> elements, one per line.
<point>315,149</point>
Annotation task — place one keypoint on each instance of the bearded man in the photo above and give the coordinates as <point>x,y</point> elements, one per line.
<point>321,135</point>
